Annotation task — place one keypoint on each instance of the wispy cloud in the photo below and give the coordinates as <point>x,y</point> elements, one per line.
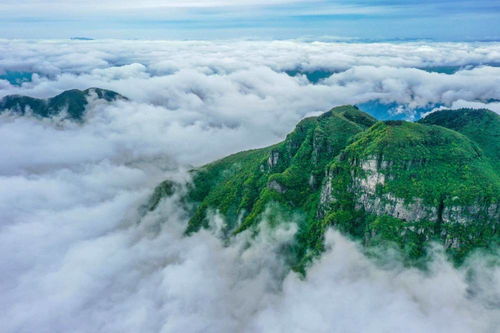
<point>278,18</point>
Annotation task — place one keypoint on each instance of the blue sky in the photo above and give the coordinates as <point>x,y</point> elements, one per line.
<point>271,19</point>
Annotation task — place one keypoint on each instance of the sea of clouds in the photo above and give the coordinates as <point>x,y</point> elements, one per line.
<point>79,252</point>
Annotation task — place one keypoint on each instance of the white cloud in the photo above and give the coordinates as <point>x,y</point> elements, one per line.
<point>416,87</point>
<point>97,270</point>
<point>206,75</point>
<point>460,104</point>
<point>345,292</point>
<point>75,257</point>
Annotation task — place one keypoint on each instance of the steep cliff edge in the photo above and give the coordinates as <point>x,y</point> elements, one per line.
<point>289,173</point>
<point>411,183</point>
<point>391,183</point>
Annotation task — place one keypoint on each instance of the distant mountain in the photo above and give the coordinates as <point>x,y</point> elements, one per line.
<point>71,101</point>
<point>81,38</point>
<point>392,183</point>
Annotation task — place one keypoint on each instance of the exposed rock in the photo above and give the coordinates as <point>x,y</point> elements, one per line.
<point>468,214</point>
<point>388,204</point>
<point>273,159</point>
<point>274,185</point>
<point>312,181</point>
<point>326,196</point>
<point>372,177</point>
<point>401,182</point>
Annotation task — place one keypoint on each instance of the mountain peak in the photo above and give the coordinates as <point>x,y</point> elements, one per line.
<point>397,182</point>
<point>480,125</point>
<point>458,117</point>
<point>72,101</point>
<point>351,113</point>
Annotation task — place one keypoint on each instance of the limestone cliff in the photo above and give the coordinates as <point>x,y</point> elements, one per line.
<point>392,183</point>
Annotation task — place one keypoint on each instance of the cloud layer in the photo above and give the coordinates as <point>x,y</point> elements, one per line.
<point>211,78</point>
<point>79,253</point>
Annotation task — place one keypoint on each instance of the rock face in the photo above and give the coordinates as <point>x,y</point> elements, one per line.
<point>274,185</point>
<point>72,102</point>
<point>392,182</point>
<point>422,176</point>
<point>273,159</point>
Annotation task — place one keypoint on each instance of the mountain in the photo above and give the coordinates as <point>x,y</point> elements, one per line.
<point>391,183</point>
<point>72,101</point>
<point>480,125</point>
<point>81,38</point>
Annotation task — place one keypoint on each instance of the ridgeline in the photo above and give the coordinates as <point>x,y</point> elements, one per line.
<point>393,183</point>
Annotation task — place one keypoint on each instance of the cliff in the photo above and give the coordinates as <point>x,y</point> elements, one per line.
<point>392,183</point>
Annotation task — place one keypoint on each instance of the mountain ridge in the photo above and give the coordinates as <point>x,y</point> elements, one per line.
<point>73,102</point>
<point>395,183</point>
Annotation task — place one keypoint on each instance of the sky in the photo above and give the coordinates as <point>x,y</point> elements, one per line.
<point>443,20</point>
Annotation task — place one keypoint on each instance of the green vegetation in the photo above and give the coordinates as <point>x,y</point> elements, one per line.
<point>72,101</point>
<point>481,126</point>
<point>393,183</point>
<point>428,162</point>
